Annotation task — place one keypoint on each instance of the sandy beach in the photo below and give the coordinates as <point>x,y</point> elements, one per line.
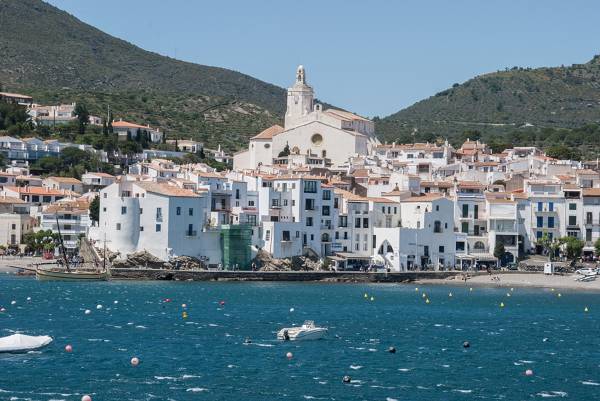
<point>534,280</point>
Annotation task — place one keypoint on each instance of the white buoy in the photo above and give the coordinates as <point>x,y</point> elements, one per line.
<point>135,361</point>
<point>289,355</point>
<point>86,398</point>
<point>2,310</point>
<point>116,302</point>
<point>184,306</point>
<point>291,309</point>
<point>13,302</point>
<point>29,298</point>
<point>98,306</point>
<point>529,372</point>
<point>87,311</point>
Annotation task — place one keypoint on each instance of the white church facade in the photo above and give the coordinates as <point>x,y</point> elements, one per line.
<point>332,135</point>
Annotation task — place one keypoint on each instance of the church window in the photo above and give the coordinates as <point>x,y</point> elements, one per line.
<point>267,145</point>
<point>317,139</point>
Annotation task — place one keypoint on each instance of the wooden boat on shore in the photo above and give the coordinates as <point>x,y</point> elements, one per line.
<point>70,275</point>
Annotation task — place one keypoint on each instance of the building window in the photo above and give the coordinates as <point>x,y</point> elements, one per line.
<point>437,226</point>
<point>551,206</point>
<point>437,208</point>
<point>105,195</point>
<point>158,213</point>
<point>441,249</point>
<point>366,222</point>
<point>123,209</point>
<point>104,209</point>
<point>572,206</point>
<point>572,220</point>
<point>237,193</point>
<point>309,221</point>
<point>343,221</point>
<point>158,228</point>
<point>285,235</point>
<point>297,234</point>
<point>250,203</point>
<point>274,202</point>
<point>550,221</point>
<point>335,203</point>
<point>310,187</point>
<point>191,211</point>
<point>325,210</point>
<point>540,221</point>
<point>118,226</point>
<point>178,211</point>
<point>316,139</point>
<point>465,210</point>
<point>268,235</point>
<point>357,222</point>
<point>141,228</point>
<point>326,194</point>
<point>14,226</point>
<point>337,235</point>
<point>309,204</point>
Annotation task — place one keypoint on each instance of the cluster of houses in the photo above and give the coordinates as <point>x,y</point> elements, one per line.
<point>323,185</point>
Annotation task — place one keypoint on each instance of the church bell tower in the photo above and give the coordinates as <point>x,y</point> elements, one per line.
<point>299,100</point>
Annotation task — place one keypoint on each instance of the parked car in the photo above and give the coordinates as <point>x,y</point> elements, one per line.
<point>588,271</point>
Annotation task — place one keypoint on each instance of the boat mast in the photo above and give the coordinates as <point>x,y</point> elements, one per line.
<point>62,245</point>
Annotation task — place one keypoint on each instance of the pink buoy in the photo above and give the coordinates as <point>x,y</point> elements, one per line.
<point>2,310</point>
<point>135,361</point>
<point>221,303</point>
<point>529,372</point>
<point>289,355</point>
<point>86,398</point>
<point>68,348</point>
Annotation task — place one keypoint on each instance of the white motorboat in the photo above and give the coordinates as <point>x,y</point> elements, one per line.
<point>23,343</point>
<point>308,331</point>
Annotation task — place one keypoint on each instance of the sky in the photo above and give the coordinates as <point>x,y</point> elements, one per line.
<point>372,57</point>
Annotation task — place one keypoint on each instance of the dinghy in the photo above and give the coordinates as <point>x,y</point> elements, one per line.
<point>23,343</point>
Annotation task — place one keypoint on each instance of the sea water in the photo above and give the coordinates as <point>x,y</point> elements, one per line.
<point>204,355</point>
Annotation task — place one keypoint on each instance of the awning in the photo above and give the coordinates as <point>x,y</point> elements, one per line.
<point>484,257</point>
<point>350,255</point>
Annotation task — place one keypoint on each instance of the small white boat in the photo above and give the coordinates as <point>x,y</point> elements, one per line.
<point>22,343</point>
<point>308,331</point>
<point>70,275</point>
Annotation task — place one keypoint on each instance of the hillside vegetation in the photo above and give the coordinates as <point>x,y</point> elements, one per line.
<point>518,105</point>
<point>53,56</point>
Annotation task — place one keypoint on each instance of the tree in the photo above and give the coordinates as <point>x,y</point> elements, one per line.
<point>83,117</point>
<point>563,152</point>
<point>201,153</point>
<point>499,250</point>
<point>104,128</point>
<point>285,152</point>
<point>95,209</point>
<point>597,247</point>
<point>573,247</point>
<point>549,245</point>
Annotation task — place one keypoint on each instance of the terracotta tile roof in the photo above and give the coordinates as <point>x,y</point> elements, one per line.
<point>350,196</point>
<point>469,184</point>
<point>105,175</point>
<point>424,198</point>
<point>383,200</point>
<point>39,191</point>
<point>269,132</point>
<point>587,171</point>
<point>127,124</point>
<point>74,207</point>
<point>591,192</point>
<point>165,189</point>
<point>65,180</point>
<point>411,146</point>
<point>8,94</point>
<point>10,199</point>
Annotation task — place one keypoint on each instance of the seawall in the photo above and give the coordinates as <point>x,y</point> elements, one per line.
<point>306,276</point>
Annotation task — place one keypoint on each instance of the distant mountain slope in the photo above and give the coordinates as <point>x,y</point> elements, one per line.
<point>55,57</point>
<point>500,102</point>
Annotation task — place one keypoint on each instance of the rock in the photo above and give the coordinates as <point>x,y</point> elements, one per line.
<point>145,259</point>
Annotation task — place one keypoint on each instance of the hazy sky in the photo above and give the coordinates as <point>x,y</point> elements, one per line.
<point>372,57</point>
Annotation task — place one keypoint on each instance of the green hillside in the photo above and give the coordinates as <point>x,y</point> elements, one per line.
<point>52,55</point>
<point>524,104</point>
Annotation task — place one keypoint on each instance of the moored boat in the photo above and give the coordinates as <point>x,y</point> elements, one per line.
<point>75,275</point>
<point>22,343</point>
<point>308,331</point>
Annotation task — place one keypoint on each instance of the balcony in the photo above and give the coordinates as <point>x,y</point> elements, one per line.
<point>545,210</point>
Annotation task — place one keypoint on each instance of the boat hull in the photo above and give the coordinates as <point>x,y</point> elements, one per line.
<point>50,275</point>
<point>301,335</point>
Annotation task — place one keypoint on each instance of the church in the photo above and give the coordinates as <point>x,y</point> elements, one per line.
<point>312,135</point>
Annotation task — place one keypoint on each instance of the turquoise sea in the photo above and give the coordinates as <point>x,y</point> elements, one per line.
<point>203,356</point>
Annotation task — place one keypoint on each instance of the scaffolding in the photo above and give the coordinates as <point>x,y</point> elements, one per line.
<point>235,243</point>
